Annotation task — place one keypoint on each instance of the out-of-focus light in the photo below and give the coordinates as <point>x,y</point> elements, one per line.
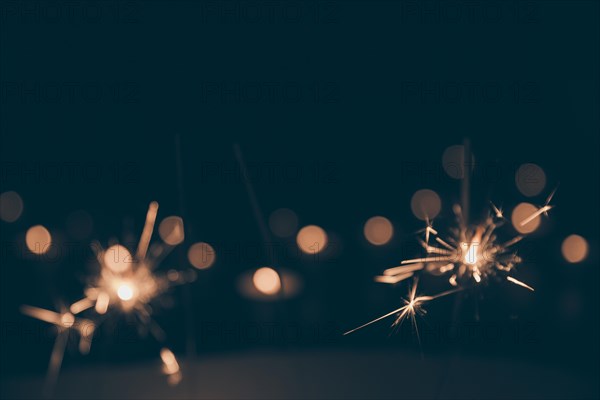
<point>283,222</point>
<point>378,230</point>
<point>574,248</point>
<point>173,275</point>
<point>312,239</point>
<point>522,212</point>
<point>453,161</point>
<point>125,291</point>
<point>117,258</point>
<point>170,366</point>
<point>201,255</point>
<point>174,379</point>
<point>266,280</point>
<point>284,285</point>
<point>80,224</point>
<point>102,302</point>
<point>171,230</point>
<point>169,360</point>
<point>11,206</point>
<point>425,204</point>
<point>530,179</point>
<point>38,239</point>
<point>67,320</point>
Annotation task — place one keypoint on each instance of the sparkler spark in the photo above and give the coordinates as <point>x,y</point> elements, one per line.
<point>128,284</point>
<point>412,306</point>
<point>469,256</point>
<point>65,323</point>
<point>125,285</point>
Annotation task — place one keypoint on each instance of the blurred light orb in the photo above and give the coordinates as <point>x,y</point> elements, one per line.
<point>530,179</point>
<point>312,239</point>
<point>169,360</point>
<point>267,281</point>
<point>201,255</point>
<point>425,204</point>
<point>117,258</point>
<point>171,230</point>
<point>288,282</point>
<point>173,275</point>
<point>575,248</point>
<point>520,213</point>
<point>11,206</point>
<point>378,230</point>
<point>125,291</point>
<point>38,239</point>
<point>67,320</point>
<point>453,161</point>
<point>283,222</point>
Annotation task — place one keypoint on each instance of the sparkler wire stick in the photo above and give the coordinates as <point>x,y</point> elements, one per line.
<point>465,188</point>
<point>169,360</point>
<point>259,217</point>
<point>189,309</point>
<point>64,321</point>
<point>55,363</point>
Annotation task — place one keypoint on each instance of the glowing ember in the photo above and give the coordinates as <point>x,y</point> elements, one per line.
<point>469,256</point>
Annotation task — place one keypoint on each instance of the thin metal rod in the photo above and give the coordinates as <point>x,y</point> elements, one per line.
<point>258,216</point>
<point>190,346</point>
<point>466,182</point>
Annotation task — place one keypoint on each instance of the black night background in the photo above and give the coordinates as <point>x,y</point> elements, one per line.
<point>341,111</point>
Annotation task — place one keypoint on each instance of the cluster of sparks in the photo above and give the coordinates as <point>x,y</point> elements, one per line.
<point>469,256</point>
<point>126,285</point>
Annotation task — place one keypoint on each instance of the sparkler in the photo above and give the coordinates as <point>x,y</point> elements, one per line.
<point>470,256</point>
<point>126,285</point>
<point>65,323</point>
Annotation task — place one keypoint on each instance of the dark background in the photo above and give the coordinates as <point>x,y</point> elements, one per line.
<point>342,111</point>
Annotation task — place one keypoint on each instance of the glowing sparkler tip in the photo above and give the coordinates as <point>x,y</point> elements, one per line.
<point>125,291</point>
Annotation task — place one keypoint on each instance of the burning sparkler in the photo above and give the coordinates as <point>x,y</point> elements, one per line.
<point>471,255</point>
<point>126,285</point>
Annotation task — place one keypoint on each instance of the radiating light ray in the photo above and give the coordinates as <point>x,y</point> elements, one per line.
<point>512,241</point>
<point>55,363</point>
<point>413,305</point>
<point>437,296</point>
<point>497,211</point>
<point>396,311</point>
<point>65,322</point>
<point>536,214</point>
<point>102,303</point>
<point>425,259</point>
<point>443,243</point>
<point>81,305</point>
<point>403,269</point>
<point>393,279</point>
<point>551,195</point>
<point>42,314</point>
<point>428,230</point>
<point>170,366</point>
<point>147,231</point>
<point>435,250</point>
<point>518,282</point>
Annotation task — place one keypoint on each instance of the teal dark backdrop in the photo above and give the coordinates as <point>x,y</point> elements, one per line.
<point>342,109</point>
